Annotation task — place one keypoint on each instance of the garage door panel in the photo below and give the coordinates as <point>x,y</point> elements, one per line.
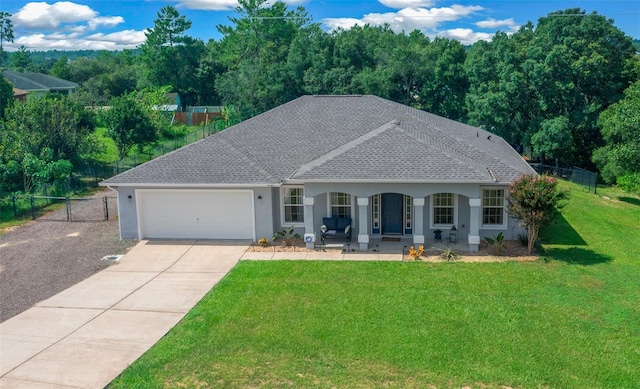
<point>196,214</point>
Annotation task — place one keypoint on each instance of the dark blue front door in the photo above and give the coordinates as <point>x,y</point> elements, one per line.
<point>392,215</point>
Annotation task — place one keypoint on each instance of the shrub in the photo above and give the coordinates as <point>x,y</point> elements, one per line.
<point>523,239</point>
<point>263,242</point>
<point>416,254</point>
<point>629,183</point>
<point>288,236</point>
<point>449,254</point>
<point>175,132</point>
<point>496,243</point>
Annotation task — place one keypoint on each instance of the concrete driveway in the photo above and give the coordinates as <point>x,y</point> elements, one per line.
<point>86,335</point>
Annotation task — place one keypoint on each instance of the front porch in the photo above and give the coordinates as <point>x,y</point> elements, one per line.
<point>404,214</point>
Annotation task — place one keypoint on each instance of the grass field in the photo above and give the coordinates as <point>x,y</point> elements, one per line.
<point>569,320</point>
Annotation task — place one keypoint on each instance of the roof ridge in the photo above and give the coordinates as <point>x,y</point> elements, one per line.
<point>345,147</point>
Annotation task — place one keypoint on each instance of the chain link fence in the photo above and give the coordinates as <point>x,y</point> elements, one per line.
<point>72,209</point>
<point>589,180</point>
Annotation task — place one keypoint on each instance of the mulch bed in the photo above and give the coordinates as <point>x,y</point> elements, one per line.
<point>512,251</point>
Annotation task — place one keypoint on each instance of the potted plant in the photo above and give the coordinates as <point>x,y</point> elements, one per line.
<point>437,234</point>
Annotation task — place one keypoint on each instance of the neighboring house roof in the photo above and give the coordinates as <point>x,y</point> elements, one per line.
<point>337,138</point>
<point>19,92</point>
<point>32,82</point>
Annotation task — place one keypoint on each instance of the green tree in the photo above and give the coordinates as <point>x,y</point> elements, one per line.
<point>152,101</point>
<point>572,65</point>
<point>6,33</point>
<point>55,122</point>
<point>500,96</point>
<point>554,138</point>
<point>620,128</point>
<point>20,60</point>
<point>60,68</point>
<point>254,52</point>
<point>446,85</point>
<point>170,56</point>
<point>6,95</point>
<point>535,202</point>
<point>128,124</point>
<point>40,170</point>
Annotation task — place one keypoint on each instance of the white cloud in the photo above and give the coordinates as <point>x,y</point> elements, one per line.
<point>105,21</point>
<point>344,23</point>
<point>492,23</point>
<point>67,22</point>
<point>208,5</point>
<point>127,39</point>
<point>466,36</point>
<point>407,19</point>
<point>399,4</point>
<point>46,16</point>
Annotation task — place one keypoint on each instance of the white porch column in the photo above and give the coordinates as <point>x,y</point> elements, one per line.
<point>474,223</point>
<point>363,224</point>
<point>309,230</point>
<point>418,220</point>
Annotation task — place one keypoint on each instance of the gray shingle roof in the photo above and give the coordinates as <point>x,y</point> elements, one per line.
<point>37,81</point>
<point>336,138</point>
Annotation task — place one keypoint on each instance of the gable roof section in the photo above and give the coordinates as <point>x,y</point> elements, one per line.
<point>31,82</point>
<point>336,138</point>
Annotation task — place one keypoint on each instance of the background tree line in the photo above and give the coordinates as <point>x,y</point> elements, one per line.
<point>556,87</point>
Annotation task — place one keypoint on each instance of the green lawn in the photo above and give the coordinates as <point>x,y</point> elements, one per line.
<point>569,320</point>
<point>111,151</point>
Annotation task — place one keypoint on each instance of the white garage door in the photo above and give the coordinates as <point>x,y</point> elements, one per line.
<point>196,214</point>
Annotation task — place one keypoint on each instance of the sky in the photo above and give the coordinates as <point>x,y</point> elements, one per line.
<point>120,24</point>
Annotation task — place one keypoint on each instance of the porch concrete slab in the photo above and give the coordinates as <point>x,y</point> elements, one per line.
<point>100,291</point>
<point>32,331</point>
<point>171,292</point>
<point>154,255</point>
<point>208,258</point>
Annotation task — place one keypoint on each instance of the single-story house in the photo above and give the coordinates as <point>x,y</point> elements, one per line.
<point>394,170</point>
<point>38,84</point>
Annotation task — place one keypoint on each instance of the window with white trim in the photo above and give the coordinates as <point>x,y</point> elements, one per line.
<point>493,207</point>
<point>340,204</point>
<point>292,205</point>
<point>444,207</point>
